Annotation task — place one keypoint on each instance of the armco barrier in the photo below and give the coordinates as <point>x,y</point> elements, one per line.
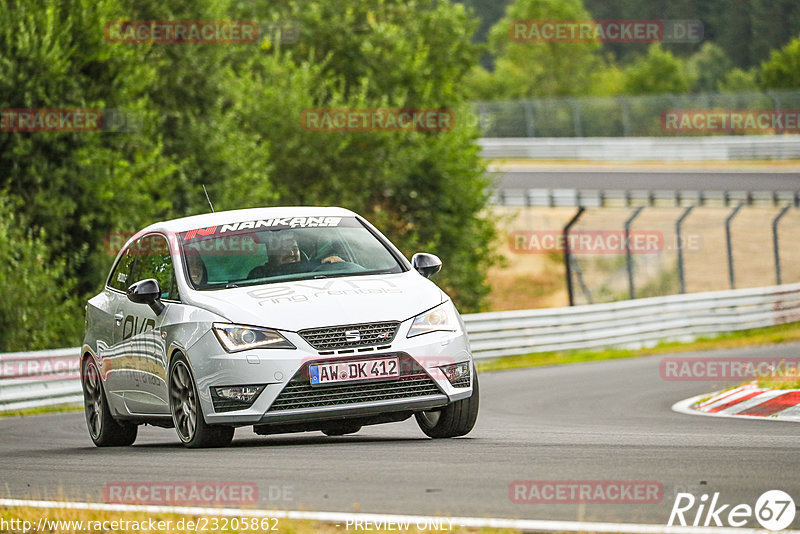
<point>711,148</point>
<point>631,323</point>
<point>40,378</point>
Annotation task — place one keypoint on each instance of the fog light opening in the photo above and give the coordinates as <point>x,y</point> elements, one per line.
<point>457,373</point>
<point>229,398</point>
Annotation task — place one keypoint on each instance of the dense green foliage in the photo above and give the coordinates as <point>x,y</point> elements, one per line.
<point>746,30</point>
<point>228,116</point>
<point>738,51</point>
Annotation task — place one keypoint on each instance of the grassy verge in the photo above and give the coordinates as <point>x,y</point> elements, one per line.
<point>770,335</point>
<point>779,382</point>
<point>43,409</point>
<point>81,521</point>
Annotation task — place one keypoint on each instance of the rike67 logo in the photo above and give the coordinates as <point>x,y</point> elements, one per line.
<point>774,510</point>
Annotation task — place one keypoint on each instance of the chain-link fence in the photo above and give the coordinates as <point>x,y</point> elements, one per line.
<point>622,116</point>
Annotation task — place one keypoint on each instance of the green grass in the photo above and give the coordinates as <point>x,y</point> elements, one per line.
<point>771,335</point>
<point>43,409</point>
<point>773,382</point>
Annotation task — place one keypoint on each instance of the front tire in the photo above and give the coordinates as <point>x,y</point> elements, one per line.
<point>454,420</point>
<point>184,405</point>
<point>103,429</point>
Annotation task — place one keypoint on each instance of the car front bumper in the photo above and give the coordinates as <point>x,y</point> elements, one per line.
<point>288,397</point>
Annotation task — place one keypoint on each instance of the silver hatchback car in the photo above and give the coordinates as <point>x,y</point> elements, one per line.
<point>284,319</point>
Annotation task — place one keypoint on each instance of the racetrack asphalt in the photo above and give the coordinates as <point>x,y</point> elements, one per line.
<point>608,420</point>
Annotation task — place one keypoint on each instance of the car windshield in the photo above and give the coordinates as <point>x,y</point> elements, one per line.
<point>280,250</point>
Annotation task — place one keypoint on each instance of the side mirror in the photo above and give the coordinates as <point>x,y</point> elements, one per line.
<point>147,292</point>
<point>426,264</point>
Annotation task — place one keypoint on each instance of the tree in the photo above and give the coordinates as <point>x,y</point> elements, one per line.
<point>708,68</point>
<point>739,81</point>
<point>425,190</point>
<point>525,69</point>
<point>782,70</point>
<point>39,303</point>
<point>657,73</point>
<point>78,186</point>
<point>229,117</point>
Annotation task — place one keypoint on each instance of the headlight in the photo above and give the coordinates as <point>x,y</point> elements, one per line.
<point>235,338</point>
<point>439,319</point>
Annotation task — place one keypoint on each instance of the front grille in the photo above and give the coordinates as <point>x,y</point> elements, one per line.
<point>413,382</point>
<point>229,405</point>
<point>340,337</point>
<point>222,405</point>
<point>462,382</point>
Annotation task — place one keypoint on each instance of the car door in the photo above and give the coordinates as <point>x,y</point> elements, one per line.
<point>139,334</point>
<point>109,353</point>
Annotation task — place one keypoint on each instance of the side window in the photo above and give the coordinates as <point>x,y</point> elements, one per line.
<point>153,260</point>
<point>120,279</point>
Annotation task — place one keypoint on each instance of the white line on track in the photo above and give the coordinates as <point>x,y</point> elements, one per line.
<point>341,518</point>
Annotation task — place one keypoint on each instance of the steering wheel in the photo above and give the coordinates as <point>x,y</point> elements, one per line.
<point>336,265</point>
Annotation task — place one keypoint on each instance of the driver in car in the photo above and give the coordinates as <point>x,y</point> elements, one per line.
<point>286,256</point>
<point>289,252</point>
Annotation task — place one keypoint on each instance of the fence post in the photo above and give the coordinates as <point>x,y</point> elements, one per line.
<point>628,258</point>
<point>576,117</point>
<point>775,247</point>
<point>567,266</point>
<point>626,117</point>
<point>729,244</point>
<point>679,237</point>
<point>530,129</point>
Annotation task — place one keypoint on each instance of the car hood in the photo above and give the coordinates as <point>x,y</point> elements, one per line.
<point>314,303</point>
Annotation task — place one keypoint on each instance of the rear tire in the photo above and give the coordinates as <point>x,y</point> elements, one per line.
<point>184,406</point>
<point>455,419</point>
<point>104,430</point>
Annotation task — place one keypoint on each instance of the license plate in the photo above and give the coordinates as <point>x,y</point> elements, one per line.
<point>353,371</point>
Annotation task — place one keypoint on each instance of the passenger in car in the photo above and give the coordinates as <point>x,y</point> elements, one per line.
<point>198,273</point>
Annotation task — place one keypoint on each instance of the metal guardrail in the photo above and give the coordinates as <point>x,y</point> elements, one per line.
<point>631,323</point>
<point>618,198</point>
<point>711,148</point>
<point>44,378</point>
<point>40,378</point>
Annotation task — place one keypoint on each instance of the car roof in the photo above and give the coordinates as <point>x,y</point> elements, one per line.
<point>227,217</point>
